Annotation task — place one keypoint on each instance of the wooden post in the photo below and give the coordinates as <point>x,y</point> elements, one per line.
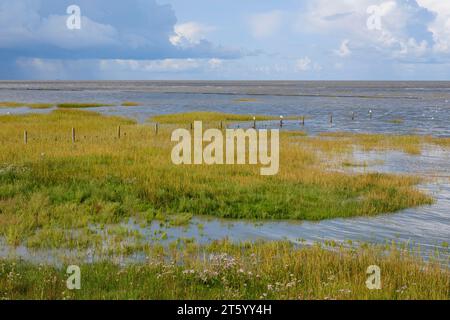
<point>353,116</point>
<point>118,132</point>
<point>221,125</point>
<point>156,128</point>
<point>331,118</point>
<point>254,122</point>
<point>303,121</point>
<point>73,135</point>
<point>192,126</point>
<point>281,121</point>
<point>25,137</point>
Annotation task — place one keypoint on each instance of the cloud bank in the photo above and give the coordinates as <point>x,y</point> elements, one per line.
<point>126,30</point>
<point>304,39</point>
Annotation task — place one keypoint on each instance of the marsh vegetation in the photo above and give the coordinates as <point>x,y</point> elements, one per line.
<point>51,184</point>
<point>53,190</point>
<point>64,105</point>
<point>11,104</point>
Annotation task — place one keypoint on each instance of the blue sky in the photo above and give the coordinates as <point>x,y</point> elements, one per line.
<point>227,39</point>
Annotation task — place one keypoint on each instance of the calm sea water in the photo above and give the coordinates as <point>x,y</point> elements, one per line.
<point>397,108</point>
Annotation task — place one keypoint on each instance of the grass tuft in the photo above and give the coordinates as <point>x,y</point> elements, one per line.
<point>75,105</point>
<point>396,121</point>
<point>246,100</point>
<point>11,104</point>
<point>130,104</point>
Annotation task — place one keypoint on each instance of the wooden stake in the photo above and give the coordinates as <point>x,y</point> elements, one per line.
<point>353,116</point>
<point>303,121</point>
<point>118,132</point>
<point>331,118</point>
<point>73,135</point>
<point>156,128</point>
<point>25,137</point>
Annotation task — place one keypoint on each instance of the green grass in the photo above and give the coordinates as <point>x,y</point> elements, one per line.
<point>237,271</point>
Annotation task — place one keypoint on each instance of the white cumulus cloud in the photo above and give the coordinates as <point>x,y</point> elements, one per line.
<point>190,33</point>
<point>401,29</point>
<point>440,27</point>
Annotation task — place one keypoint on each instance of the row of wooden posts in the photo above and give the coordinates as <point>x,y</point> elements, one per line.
<point>25,135</point>
<point>303,119</point>
<point>119,130</point>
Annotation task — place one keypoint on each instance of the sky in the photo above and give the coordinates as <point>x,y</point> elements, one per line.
<point>225,40</point>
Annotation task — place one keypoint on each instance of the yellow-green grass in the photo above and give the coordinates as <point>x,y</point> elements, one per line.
<point>77,105</point>
<point>396,121</point>
<point>355,164</point>
<point>237,271</point>
<point>206,116</point>
<point>51,184</point>
<point>442,142</point>
<point>213,118</point>
<point>411,144</point>
<point>130,104</point>
<point>12,104</point>
<point>246,100</point>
